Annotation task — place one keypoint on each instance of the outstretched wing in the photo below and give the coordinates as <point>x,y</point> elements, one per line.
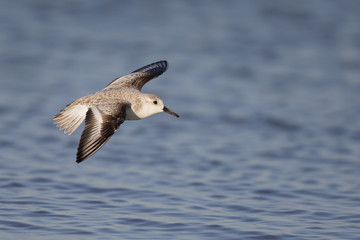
<point>139,77</point>
<point>101,123</point>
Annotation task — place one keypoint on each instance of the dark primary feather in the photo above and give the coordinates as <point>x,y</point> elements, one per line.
<point>156,68</point>
<point>139,77</point>
<point>96,134</point>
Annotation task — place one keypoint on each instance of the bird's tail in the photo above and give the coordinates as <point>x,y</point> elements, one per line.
<point>70,118</point>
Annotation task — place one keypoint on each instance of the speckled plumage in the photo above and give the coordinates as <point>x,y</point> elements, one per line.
<point>105,110</point>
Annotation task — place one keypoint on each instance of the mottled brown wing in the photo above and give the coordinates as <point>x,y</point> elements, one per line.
<point>101,123</point>
<point>139,77</point>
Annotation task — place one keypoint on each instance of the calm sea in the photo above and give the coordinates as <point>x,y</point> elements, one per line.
<point>267,145</point>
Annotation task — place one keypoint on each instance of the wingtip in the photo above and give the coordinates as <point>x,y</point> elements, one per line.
<point>79,159</point>
<point>80,156</point>
<point>165,63</point>
<point>160,67</point>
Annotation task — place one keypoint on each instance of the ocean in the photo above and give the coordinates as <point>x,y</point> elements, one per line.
<point>267,145</point>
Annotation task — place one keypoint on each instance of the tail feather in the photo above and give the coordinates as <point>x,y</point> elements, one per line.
<point>70,118</point>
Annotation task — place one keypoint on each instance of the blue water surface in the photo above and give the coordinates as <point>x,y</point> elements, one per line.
<point>267,145</point>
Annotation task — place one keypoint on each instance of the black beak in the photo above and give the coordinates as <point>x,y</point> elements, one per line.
<point>165,109</point>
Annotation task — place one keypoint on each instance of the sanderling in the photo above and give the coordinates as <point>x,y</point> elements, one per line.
<point>105,110</point>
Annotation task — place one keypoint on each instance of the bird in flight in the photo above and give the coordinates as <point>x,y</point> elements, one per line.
<point>106,109</point>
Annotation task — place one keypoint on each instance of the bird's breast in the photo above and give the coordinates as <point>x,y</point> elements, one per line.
<point>131,115</point>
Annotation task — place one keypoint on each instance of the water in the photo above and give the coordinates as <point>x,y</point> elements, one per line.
<point>266,146</point>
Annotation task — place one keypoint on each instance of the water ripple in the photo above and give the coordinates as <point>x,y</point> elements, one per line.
<point>267,145</point>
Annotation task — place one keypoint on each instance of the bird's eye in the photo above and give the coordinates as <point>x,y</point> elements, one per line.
<point>155,102</point>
